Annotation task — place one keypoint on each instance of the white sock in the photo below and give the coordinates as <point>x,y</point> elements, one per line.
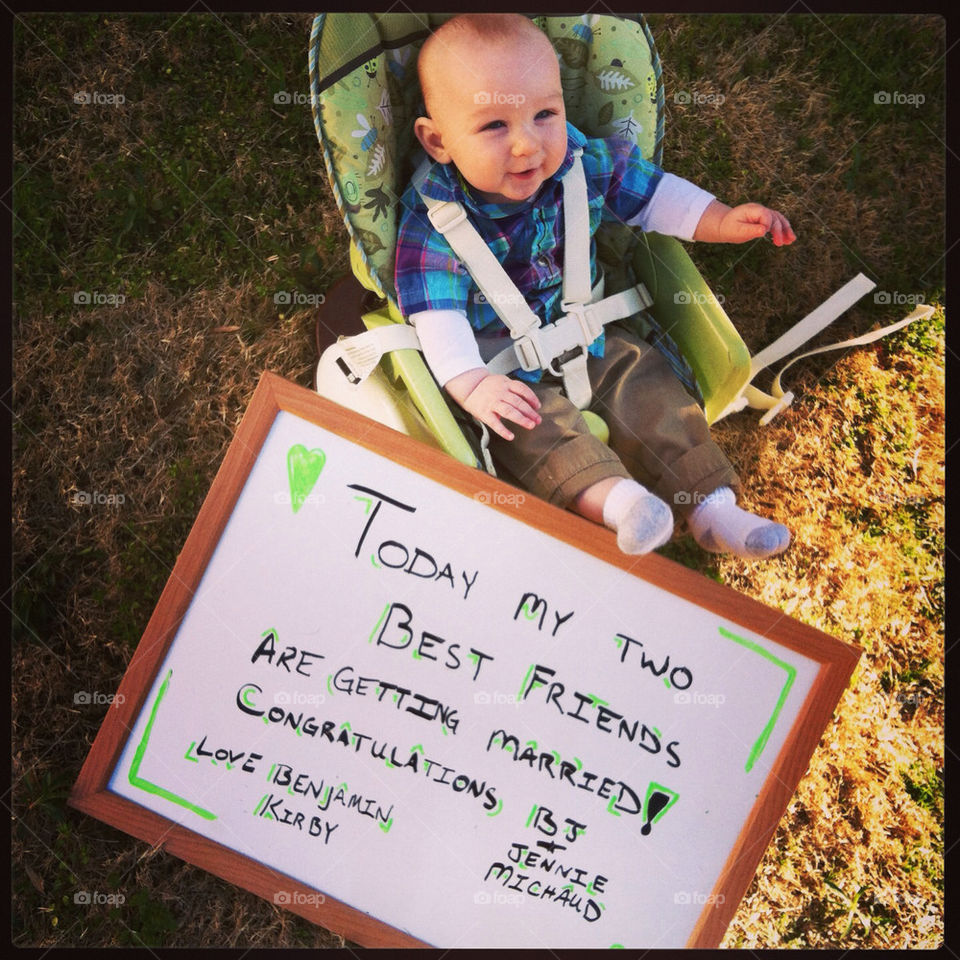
<point>720,526</point>
<point>642,521</point>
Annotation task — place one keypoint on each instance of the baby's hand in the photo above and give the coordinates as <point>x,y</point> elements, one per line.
<point>488,397</point>
<point>751,220</point>
<point>748,221</point>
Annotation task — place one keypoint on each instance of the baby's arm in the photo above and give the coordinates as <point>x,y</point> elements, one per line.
<point>679,208</point>
<point>722,224</point>
<point>451,353</point>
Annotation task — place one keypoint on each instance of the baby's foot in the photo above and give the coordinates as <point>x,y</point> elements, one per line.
<point>641,520</point>
<point>720,526</point>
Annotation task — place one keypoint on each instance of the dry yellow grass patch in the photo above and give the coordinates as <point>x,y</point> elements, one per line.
<point>855,486</point>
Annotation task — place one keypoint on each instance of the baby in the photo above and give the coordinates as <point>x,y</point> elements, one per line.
<point>503,158</point>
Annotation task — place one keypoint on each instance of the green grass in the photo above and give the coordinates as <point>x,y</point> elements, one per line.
<point>853,60</point>
<point>924,784</point>
<point>199,173</point>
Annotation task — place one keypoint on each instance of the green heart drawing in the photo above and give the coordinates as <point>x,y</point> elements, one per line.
<point>303,469</point>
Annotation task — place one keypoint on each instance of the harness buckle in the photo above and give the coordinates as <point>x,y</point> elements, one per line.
<point>559,362</point>
<point>581,312</point>
<point>446,215</point>
<point>576,380</point>
<point>528,353</point>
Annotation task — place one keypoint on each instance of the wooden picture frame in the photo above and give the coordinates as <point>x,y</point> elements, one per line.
<point>91,793</point>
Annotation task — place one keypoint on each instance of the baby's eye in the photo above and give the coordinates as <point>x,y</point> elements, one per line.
<point>545,114</point>
<point>493,125</point>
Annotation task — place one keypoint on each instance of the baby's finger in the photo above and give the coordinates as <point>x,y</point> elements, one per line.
<point>522,389</point>
<point>528,412</point>
<point>778,226</point>
<point>518,412</point>
<point>750,225</point>
<point>780,231</point>
<point>788,235</point>
<point>497,426</point>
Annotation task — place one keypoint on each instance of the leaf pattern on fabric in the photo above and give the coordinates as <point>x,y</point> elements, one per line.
<point>573,52</point>
<point>378,158</point>
<point>627,128</point>
<point>611,79</point>
<point>385,108</point>
<point>371,242</point>
<point>398,105</point>
<point>379,202</point>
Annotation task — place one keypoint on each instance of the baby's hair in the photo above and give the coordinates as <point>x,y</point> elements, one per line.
<point>490,27</point>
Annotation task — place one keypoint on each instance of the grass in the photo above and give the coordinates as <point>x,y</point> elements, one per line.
<point>162,171</point>
<point>151,237</point>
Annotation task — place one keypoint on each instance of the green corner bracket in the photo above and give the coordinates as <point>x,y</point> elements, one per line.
<point>137,781</point>
<point>791,672</point>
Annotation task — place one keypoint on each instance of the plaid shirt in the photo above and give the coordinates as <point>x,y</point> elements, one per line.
<point>526,238</point>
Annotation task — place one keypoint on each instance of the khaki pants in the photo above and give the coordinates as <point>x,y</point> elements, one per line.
<point>658,433</point>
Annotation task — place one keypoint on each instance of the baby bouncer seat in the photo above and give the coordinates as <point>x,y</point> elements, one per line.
<point>365,96</point>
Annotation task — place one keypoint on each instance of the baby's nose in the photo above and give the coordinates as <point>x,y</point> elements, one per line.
<point>524,142</point>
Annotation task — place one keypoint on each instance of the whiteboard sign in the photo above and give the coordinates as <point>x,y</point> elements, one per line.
<point>417,706</point>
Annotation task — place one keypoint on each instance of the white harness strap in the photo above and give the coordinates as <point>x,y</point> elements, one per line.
<point>576,235</point>
<point>450,219</point>
<point>569,359</point>
<point>559,347</point>
<point>358,356</point>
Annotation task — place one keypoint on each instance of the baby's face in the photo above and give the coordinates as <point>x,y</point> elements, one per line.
<point>499,116</point>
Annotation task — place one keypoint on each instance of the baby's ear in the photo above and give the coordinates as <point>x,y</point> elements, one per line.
<point>430,139</point>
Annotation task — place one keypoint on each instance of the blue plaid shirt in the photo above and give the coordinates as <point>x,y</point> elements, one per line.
<point>526,237</point>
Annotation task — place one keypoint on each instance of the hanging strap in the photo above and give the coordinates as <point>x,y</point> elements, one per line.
<point>920,312</point>
<point>777,399</point>
<point>812,323</point>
